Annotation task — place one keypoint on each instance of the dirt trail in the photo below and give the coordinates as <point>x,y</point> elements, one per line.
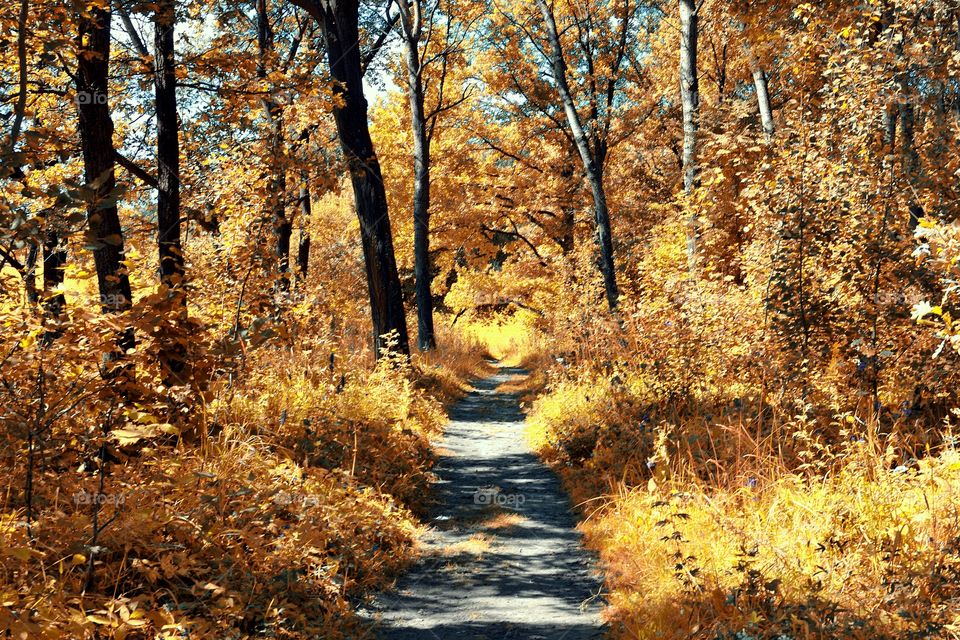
<point>503,560</point>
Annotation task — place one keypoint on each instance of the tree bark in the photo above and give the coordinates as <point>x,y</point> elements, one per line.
<point>306,210</point>
<point>303,248</point>
<point>690,98</point>
<point>172,348</point>
<point>96,141</point>
<point>54,264</point>
<point>168,150</point>
<point>910,158</point>
<point>282,226</point>
<point>762,86</point>
<point>339,21</point>
<point>592,162</point>
<point>410,19</point>
<point>21,105</point>
<point>30,273</point>
<point>689,91</point>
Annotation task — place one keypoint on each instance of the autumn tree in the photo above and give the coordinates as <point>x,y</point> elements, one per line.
<point>593,143</point>
<point>95,126</point>
<point>690,98</point>
<point>341,30</point>
<point>429,37</point>
<point>273,111</point>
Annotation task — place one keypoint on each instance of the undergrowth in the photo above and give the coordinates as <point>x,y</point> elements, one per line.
<point>711,527</point>
<point>286,496</point>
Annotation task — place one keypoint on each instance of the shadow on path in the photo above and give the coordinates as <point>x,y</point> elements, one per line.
<point>503,560</point>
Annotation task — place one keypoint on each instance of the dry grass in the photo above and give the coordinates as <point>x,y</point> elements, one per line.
<point>718,529</point>
<point>297,494</point>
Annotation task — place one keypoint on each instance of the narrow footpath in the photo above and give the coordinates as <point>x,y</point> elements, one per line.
<point>503,559</point>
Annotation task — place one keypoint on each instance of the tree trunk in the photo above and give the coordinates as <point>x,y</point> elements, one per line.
<point>891,116</point>
<point>282,227</point>
<point>172,348</point>
<point>96,141</point>
<point>168,150</point>
<point>592,165</point>
<point>21,105</point>
<point>426,339</point>
<point>762,86</point>
<point>54,264</point>
<point>341,35</point>
<point>306,210</point>
<point>303,248</point>
<point>690,97</point>
<point>30,274</point>
<point>910,158</point>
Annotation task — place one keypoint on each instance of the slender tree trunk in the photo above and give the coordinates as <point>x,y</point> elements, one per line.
<point>306,210</point>
<point>567,236</point>
<point>21,105</point>
<point>762,86</point>
<point>168,150</point>
<point>341,34</point>
<point>172,348</point>
<point>282,226</point>
<point>303,248</point>
<point>891,116</point>
<point>910,158</point>
<point>30,274</point>
<point>96,141</point>
<point>426,339</point>
<point>690,97</point>
<point>54,265</point>
<point>593,166</point>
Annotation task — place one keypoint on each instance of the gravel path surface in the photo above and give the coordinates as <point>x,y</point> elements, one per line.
<point>503,560</point>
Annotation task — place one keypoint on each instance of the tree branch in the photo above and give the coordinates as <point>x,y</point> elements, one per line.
<point>378,45</point>
<point>136,170</point>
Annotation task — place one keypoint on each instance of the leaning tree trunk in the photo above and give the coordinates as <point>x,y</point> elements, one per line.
<point>341,35</point>
<point>690,97</point>
<point>762,86</point>
<point>426,339</point>
<point>593,166</point>
<point>96,141</point>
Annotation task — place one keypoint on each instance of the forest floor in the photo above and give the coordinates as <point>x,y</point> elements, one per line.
<point>502,559</point>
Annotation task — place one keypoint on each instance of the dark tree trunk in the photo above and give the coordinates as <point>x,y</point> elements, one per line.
<point>168,150</point>
<point>306,211</point>
<point>172,348</point>
<point>341,34</point>
<point>54,263</point>
<point>303,250</point>
<point>426,339</point>
<point>910,158</point>
<point>276,198</point>
<point>30,274</point>
<point>96,141</point>
<point>690,97</point>
<point>592,159</point>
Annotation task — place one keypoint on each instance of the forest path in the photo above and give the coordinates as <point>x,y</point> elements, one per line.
<point>503,559</point>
